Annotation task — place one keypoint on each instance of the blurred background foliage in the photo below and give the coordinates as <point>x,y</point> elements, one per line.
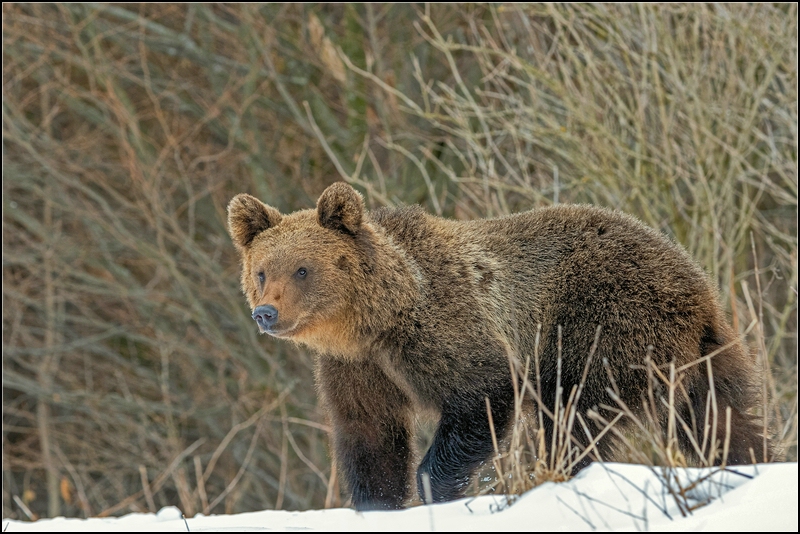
<point>133,376</point>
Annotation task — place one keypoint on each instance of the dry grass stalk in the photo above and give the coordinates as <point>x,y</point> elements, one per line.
<point>527,461</point>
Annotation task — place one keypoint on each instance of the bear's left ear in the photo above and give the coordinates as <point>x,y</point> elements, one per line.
<point>340,208</point>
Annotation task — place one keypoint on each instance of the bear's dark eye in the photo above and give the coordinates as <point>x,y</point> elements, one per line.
<point>261,277</point>
<point>302,272</point>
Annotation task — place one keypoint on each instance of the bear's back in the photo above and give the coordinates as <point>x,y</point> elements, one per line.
<point>577,266</point>
<point>572,242</point>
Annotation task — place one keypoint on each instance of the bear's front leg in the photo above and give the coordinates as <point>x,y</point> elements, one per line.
<point>371,432</point>
<point>463,441</point>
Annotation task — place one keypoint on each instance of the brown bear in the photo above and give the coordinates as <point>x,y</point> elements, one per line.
<point>408,312</point>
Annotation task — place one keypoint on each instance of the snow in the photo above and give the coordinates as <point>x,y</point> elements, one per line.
<point>602,497</point>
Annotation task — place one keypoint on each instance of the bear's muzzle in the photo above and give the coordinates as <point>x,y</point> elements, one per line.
<point>265,317</point>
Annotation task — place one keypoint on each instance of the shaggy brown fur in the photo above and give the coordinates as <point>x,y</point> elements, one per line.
<point>409,311</point>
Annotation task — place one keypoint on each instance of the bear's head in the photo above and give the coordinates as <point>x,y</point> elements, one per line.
<point>312,276</point>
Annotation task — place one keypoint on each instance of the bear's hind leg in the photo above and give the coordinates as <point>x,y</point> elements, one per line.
<point>736,380</point>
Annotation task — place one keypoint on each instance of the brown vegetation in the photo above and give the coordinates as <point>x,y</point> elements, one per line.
<point>133,374</point>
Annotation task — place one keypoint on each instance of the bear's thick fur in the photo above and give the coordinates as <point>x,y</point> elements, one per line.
<point>408,311</point>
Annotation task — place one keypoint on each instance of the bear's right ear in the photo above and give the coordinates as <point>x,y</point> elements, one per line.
<point>248,217</point>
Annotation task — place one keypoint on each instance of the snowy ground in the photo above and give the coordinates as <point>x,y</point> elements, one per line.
<point>602,497</point>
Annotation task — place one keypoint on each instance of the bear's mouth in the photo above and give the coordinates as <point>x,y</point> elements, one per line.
<point>283,333</point>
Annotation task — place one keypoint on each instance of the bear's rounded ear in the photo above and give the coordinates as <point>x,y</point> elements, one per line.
<point>248,217</point>
<point>340,208</point>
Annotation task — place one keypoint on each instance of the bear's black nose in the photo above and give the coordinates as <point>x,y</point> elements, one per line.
<point>265,316</point>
